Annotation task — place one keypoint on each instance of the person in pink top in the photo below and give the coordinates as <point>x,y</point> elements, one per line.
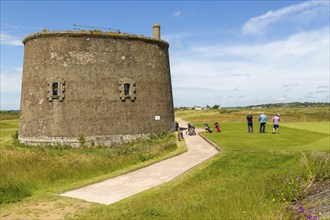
<point>276,123</point>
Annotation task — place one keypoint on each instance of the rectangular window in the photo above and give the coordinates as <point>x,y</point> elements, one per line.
<point>55,89</point>
<point>126,88</point>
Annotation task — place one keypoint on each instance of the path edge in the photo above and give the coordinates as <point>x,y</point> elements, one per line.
<point>210,142</point>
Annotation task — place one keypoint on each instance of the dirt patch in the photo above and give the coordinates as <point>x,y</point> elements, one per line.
<point>316,203</point>
<point>52,207</point>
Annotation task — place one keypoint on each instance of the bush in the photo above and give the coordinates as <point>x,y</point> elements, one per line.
<point>292,187</point>
<point>14,191</point>
<point>319,165</point>
<point>285,187</point>
<point>82,140</point>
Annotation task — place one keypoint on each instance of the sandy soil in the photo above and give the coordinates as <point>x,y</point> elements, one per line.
<point>50,208</point>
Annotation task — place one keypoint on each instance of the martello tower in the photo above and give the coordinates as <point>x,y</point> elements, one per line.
<point>107,86</point>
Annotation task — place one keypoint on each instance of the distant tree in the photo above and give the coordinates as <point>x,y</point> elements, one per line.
<point>215,107</point>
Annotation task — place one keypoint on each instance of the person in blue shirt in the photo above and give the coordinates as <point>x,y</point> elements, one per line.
<point>263,119</point>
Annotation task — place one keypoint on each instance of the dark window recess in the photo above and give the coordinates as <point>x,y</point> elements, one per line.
<point>126,88</point>
<point>55,89</point>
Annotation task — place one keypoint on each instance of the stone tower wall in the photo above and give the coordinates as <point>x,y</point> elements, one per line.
<point>91,70</point>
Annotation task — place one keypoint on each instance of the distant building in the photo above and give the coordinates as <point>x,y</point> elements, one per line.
<point>106,86</point>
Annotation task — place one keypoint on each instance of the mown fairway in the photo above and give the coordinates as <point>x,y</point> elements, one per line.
<point>7,129</point>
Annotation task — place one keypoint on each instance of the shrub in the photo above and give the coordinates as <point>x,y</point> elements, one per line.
<point>292,187</point>
<point>82,140</point>
<point>14,191</point>
<point>285,187</point>
<point>320,165</point>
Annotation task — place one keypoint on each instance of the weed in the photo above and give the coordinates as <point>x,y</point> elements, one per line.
<point>15,136</point>
<point>306,214</point>
<point>285,187</point>
<point>14,191</point>
<point>82,140</point>
<point>153,212</point>
<point>320,165</point>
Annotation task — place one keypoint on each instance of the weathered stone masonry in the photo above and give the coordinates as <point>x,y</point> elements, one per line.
<point>109,87</point>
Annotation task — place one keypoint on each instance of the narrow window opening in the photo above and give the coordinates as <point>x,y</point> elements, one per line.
<point>126,88</point>
<point>55,89</point>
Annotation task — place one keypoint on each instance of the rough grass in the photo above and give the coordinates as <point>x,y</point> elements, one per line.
<point>317,114</point>
<point>26,170</point>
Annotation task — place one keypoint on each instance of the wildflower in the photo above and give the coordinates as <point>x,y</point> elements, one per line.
<point>273,200</point>
<point>301,209</point>
<point>320,213</point>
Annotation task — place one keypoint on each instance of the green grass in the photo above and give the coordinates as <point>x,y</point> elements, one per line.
<point>321,127</point>
<point>28,171</point>
<point>289,139</point>
<point>320,114</point>
<point>255,177</point>
<point>7,129</point>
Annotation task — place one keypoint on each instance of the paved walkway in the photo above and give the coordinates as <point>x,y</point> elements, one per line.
<point>118,188</point>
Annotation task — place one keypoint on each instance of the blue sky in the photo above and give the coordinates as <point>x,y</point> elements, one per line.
<point>228,53</point>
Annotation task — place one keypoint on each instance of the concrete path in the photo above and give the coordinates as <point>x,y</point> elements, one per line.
<point>118,188</point>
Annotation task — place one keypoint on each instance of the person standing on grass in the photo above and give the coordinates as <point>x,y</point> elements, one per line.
<point>263,119</point>
<point>276,124</point>
<point>249,119</point>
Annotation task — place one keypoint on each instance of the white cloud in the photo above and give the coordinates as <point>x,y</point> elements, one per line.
<point>284,70</point>
<point>11,81</point>
<point>298,13</point>
<point>7,39</point>
<point>177,13</point>
<point>178,39</point>
<point>297,45</point>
